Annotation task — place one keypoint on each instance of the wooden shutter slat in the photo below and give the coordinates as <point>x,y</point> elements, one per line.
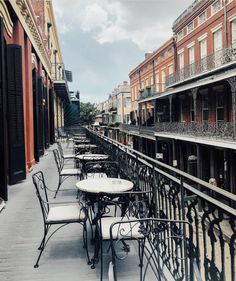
<point>3,120</point>
<point>17,164</point>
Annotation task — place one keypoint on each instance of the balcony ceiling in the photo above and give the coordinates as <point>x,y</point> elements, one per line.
<point>198,83</point>
<point>62,90</point>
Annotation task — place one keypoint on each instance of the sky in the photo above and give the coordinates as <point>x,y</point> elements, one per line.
<point>103,40</point>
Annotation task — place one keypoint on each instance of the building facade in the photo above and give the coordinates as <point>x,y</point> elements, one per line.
<point>28,41</point>
<point>200,137</point>
<point>183,95</point>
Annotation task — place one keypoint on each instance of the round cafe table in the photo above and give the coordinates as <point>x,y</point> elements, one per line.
<point>106,185</point>
<point>91,157</point>
<point>83,158</point>
<point>85,145</point>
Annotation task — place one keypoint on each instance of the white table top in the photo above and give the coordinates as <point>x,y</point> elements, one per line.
<point>81,141</point>
<point>89,156</point>
<point>85,145</point>
<point>107,185</point>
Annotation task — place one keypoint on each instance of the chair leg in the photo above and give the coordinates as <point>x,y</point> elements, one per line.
<point>41,247</point>
<point>58,187</point>
<point>85,237</point>
<point>141,254</point>
<point>101,260</point>
<point>46,229</point>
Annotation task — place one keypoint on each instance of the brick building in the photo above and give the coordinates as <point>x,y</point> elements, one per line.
<point>184,103</point>
<point>33,86</point>
<point>147,82</point>
<point>200,136</point>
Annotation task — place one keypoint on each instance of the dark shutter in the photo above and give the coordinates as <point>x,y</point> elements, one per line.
<point>46,126</point>
<point>3,149</point>
<point>36,119</point>
<point>16,140</point>
<point>51,113</point>
<point>40,117</point>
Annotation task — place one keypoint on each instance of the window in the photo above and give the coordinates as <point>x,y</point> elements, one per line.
<point>190,27</point>
<point>205,109</point>
<point>191,58</point>
<point>146,83</point>
<point>142,85</point>
<point>203,48</point>
<point>157,83</point>
<point>181,60</point>
<point>220,107</point>
<point>192,110</point>
<point>191,55</point>
<point>233,33</point>
<point>217,37</point>
<point>170,69</point>
<point>216,6</point>
<point>180,35</point>
<point>127,102</point>
<point>151,80</point>
<point>202,17</point>
<point>203,54</point>
<point>163,79</point>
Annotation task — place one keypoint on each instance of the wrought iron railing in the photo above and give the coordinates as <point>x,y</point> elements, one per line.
<point>152,91</point>
<point>146,130</point>
<point>189,10</point>
<point>208,64</point>
<point>210,211</point>
<point>58,72</point>
<point>218,130</point>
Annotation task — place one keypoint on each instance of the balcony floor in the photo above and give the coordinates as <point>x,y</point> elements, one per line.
<point>64,258</point>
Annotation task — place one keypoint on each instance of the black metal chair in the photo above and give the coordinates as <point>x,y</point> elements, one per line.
<point>164,248</point>
<point>108,169</point>
<point>57,214</point>
<point>128,207</point>
<point>64,173</point>
<point>65,156</point>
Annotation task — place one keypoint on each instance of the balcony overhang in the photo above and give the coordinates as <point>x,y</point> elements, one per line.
<point>199,83</point>
<point>137,132</point>
<point>148,99</point>
<point>201,140</point>
<point>62,91</point>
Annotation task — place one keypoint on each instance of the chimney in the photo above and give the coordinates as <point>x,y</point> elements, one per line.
<point>147,55</point>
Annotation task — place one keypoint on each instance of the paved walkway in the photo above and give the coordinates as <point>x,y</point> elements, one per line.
<point>21,230</point>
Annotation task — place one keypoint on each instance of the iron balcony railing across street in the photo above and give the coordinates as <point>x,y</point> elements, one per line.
<point>212,130</point>
<point>218,130</point>
<point>210,211</point>
<point>213,62</point>
<point>146,130</point>
<point>152,91</point>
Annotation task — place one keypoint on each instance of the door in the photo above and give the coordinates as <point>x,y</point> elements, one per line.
<point>218,47</point>
<point>16,140</point>
<point>36,118</point>
<point>3,120</point>
<point>40,117</point>
<point>51,112</point>
<point>46,126</point>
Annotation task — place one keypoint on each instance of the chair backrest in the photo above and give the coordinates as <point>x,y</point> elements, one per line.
<point>60,148</point>
<point>110,168</point>
<point>165,241</point>
<point>61,133</point>
<point>129,204</point>
<point>41,192</point>
<point>58,159</point>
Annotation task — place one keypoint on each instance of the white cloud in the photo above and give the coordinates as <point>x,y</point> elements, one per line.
<point>144,22</point>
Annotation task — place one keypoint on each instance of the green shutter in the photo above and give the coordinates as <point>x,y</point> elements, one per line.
<point>16,140</point>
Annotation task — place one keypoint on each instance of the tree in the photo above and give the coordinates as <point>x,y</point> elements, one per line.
<point>87,113</point>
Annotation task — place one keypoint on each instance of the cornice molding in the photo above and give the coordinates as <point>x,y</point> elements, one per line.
<point>6,18</point>
<point>23,10</point>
